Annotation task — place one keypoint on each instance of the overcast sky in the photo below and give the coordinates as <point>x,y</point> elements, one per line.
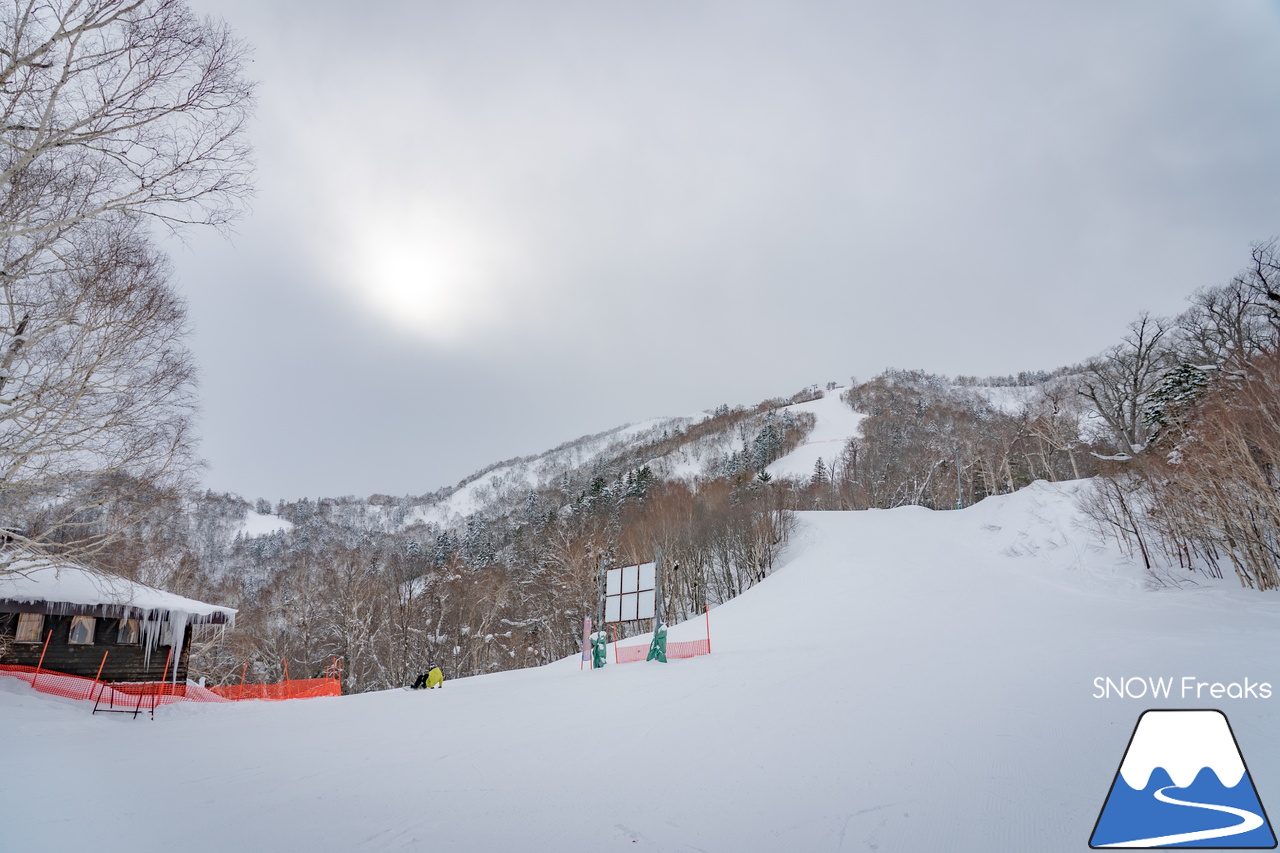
<point>486,228</point>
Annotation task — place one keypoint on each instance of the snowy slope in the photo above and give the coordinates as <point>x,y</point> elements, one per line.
<point>908,681</point>
<point>259,524</point>
<point>1010,399</point>
<point>514,479</point>
<point>836,424</point>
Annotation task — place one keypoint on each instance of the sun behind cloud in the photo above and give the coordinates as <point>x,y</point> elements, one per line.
<point>425,273</point>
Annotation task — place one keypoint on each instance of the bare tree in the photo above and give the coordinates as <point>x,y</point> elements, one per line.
<point>1262,279</point>
<point>96,403</point>
<point>113,113</point>
<point>118,106</point>
<point>1119,382</point>
<point>1224,327</point>
<point>1053,421</point>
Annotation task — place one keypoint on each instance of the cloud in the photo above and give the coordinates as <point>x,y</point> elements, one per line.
<point>638,207</point>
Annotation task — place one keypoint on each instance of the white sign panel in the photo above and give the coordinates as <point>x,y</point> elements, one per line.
<point>648,576</point>
<point>629,593</point>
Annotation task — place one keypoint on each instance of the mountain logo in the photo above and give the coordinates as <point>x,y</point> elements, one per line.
<point>1183,783</point>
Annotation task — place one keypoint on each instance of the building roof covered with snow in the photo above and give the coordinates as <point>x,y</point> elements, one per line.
<point>72,589</point>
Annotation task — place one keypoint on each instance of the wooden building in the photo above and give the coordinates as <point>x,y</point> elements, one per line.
<point>73,615</point>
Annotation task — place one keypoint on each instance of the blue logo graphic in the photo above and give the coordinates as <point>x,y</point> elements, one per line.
<point>1183,783</point>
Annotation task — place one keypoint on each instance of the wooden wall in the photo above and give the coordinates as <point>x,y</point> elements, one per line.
<point>124,662</point>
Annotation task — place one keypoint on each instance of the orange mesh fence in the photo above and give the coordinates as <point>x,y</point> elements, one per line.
<point>196,693</point>
<point>684,649</point>
<point>136,695</point>
<point>149,688</point>
<point>120,694</point>
<point>298,688</point>
<point>148,694</point>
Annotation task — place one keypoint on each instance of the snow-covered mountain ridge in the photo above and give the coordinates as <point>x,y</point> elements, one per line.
<point>681,447</point>
<point>703,445</point>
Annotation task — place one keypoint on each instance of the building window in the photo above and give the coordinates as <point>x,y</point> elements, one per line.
<point>29,627</point>
<point>81,630</point>
<point>129,633</point>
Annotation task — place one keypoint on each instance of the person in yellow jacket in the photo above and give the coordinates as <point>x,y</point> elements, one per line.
<point>431,678</point>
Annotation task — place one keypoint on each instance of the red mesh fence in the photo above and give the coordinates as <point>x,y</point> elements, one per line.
<point>148,694</point>
<point>684,649</point>
<point>298,688</point>
<point>196,693</point>
<point>131,695</point>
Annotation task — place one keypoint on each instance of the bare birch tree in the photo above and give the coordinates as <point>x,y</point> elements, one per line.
<point>133,106</point>
<point>96,401</point>
<point>113,114</point>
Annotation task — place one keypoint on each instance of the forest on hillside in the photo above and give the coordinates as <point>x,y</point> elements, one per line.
<point>1178,422</point>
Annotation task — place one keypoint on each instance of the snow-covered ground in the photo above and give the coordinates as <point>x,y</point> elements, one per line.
<point>908,681</point>
<point>836,424</point>
<point>262,524</point>
<point>1010,399</point>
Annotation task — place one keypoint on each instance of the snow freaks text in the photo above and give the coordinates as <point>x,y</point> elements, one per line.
<point>1186,687</point>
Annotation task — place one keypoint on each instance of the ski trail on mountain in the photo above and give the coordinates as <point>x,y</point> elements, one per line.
<point>1250,821</point>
